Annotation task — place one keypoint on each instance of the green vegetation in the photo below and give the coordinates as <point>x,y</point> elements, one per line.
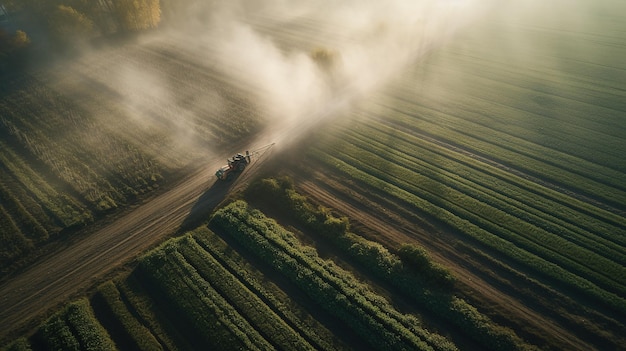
<point>333,288</point>
<point>411,271</point>
<point>189,293</point>
<point>116,308</point>
<point>65,160</point>
<point>471,152</point>
<point>74,328</point>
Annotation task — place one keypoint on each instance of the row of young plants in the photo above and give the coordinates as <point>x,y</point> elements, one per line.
<point>26,223</point>
<point>251,306</point>
<point>587,131</point>
<point>136,335</point>
<point>505,87</point>
<point>583,215</point>
<point>73,146</point>
<point>32,211</point>
<point>554,114</point>
<point>472,225</point>
<point>411,270</point>
<point>212,317</point>
<point>573,173</point>
<point>333,288</point>
<point>602,260</point>
<point>64,209</point>
<point>309,328</point>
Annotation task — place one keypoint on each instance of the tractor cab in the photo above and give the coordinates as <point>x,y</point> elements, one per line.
<point>236,164</point>
<point>222,173</point>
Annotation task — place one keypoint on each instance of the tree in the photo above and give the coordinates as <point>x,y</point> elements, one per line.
<point>69,26</point>
<point>135,15</point>
<point>11,46</point>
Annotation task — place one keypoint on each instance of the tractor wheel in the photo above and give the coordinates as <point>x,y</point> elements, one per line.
<point>241,167</point>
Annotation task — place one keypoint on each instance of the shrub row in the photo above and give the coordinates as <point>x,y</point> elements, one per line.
<point>412,270</point>
<point>333,288</point>
<point>309,328</point>
<point>140,335</point>
<point>75,328</point>
<point>259,314</point>
<point>212,317</point>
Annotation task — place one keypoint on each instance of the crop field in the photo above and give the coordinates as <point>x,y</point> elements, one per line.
<point>518,153</point>
<point>70,154</point>
<point>202,290</point>
<point>472,195</point>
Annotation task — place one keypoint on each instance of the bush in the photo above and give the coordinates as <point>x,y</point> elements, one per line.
<point>69,26</point>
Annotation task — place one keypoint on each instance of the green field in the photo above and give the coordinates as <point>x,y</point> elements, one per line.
<point>196,291</point>
<point>499,151</point>
<point>514,146</point>
<point>68,160</point>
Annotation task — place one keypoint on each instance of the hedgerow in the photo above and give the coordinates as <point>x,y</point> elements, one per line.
<point>75,328</point>
<point>411,270</point>
<point>309,328</point>
<point>211,315</point>
<point>334,289</point>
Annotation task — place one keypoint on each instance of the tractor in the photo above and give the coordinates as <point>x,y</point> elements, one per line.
<point>236,164</point>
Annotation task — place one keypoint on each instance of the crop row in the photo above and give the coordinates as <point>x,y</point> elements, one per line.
<point>74,328</point>
<point>573,89</point>
<point>576,128</point>
<point>210,314</point>
<point>545,200</point>
<point>333,288</point>
<point>606,257</point>
<point>67,211</point>
<point>138,336</point>
<point>469,224</point>
<point>411,271</point>
<point>233,264</point>
<point>560,168</point>
<point>250,305</point>
<point>469,204</point>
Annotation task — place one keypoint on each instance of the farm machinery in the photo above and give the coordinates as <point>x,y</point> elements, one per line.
<point>238,163</point>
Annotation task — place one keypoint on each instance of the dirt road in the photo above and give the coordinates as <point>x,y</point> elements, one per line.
<point>51,281</point>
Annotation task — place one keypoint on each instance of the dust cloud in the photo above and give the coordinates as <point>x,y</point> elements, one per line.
<point>309,62</point>
<point>302,63</point>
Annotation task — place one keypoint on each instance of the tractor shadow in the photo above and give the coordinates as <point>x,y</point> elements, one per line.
<point>206,204</point>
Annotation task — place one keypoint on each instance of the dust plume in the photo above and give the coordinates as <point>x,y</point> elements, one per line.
<point>306,62</point>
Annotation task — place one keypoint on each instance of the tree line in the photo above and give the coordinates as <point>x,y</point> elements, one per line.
<point>63,24</point>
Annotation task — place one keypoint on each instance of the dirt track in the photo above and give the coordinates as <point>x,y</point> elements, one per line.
<point>68,272</point>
